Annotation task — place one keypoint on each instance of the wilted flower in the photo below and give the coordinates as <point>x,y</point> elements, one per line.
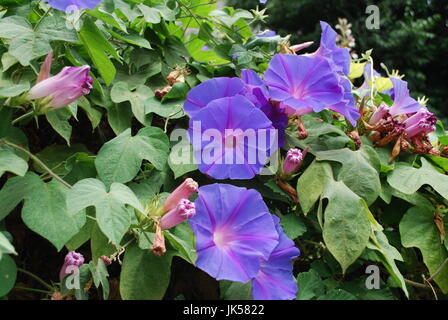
<point>380,113</point>
<point>232,139</point>
<point>234,231</point>
<point>184,210</point>
<point>339,58</point>
<point>184,191</point>
<point>403,102</point>
<point>422,122</point>
<point>292,161</point>
<point>64,88</point>
<point>302,84</point>
<point>71,259</point>
<point>275,280</point>
<point>158,246</point>
<point>70,5</point>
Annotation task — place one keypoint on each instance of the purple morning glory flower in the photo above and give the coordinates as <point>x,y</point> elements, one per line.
<point>421,122</point>
<point>266,34</point>
<point>339,58</point>
<point>275,280</point>
<point>231,138</point>
<point>73,5</point>
<point>403,102</point>
<point>210,90</point>
<point>65,87</point>
<point>302,84</point>
<point>263,1</point>
<point>347,105</point>
<point>234,231</point>
<point>368,76</point>
<point>258,94</point>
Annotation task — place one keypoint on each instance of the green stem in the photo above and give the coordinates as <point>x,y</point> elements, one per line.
<point>42,18</point>
<point>38,279</point>
<point>32,156</point>
<point>439,270</point>
<point>33,290</point>
<point>22,117</point>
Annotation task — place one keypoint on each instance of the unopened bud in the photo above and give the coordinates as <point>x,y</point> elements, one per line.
<point>184,191</point>
<point>293,161</point>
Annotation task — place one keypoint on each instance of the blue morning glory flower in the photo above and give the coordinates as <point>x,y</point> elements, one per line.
<point>73,5</point>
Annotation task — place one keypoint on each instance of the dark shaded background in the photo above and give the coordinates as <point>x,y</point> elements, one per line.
<point>413,36</point>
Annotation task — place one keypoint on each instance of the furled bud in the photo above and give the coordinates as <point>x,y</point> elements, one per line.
<point>64,88</point>
<point>183,211</point>
<point>301,46</point>
<point>45,68</point>
<point>292,162</point>
<point>71,259</point>
<point>184,191</point>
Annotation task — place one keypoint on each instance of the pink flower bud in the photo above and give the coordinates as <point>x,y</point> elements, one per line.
<point>65,87</point>
<point>379,114</point>
<point>45,68</point>
<point>301,46</point>
<point>71,259</point>
<point>184,210</point>
<point>292,161</point>
<point>184,191</point>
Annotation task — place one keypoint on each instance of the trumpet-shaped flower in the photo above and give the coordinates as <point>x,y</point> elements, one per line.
<point>232,139</point>
<point>346,106</point>
<point>339,58</point>
<point>210,90</point>
<point>73,5</point>
<point>234,232</point>
<point>275,280</point>
<point>303,84</point>
<point>403,102</point>
<point>65,87</point>
<point>250,85</point>
<point>258,94</point>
